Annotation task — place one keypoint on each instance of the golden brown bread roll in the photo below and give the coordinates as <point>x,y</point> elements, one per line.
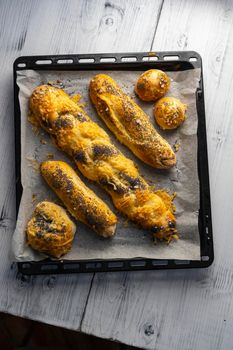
<point>80,201</point>
<point>99,160</point>
<point>152,84</point>
<point>169,112</point>
<point>129,123</point>
<point>50,230</point>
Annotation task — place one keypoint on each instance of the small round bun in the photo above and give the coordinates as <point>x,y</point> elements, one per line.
<point>50,230</point>
<point>152,84</point>
<point>169,113</point>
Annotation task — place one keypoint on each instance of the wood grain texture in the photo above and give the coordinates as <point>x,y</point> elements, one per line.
<point>53,27</point>
<point>184,309</point>
<point>215,47</point>
<point>178,310</point>
<point>40,298</point>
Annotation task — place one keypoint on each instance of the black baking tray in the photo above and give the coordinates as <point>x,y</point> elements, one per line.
<point>169,60</point>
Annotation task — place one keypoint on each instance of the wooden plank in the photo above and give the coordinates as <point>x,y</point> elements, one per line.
<point>184,309</point>
<point>91,26</point>
<point>162,310</point>
<point>215,48</point>
<point>53,27</point>
<point>51,299</point>
<point>34,297</point>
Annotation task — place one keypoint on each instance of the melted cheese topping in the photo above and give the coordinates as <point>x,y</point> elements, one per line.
<point>129,123</point>
<point>81,202</point>
<point>99,160</point>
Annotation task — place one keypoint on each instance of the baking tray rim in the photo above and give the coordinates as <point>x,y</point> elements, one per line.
<point>167,60</point>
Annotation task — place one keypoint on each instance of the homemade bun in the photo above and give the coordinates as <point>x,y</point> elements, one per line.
<point>152,84</point>
<point>50,230</point>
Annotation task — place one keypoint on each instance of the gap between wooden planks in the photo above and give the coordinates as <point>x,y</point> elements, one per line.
<point>154,310</point>
<point>184,309</point>
<point>49,27</point>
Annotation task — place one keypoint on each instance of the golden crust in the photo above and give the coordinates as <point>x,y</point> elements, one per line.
<point>50,230</point>
<point>82,203</point>
<point>169,113</point>
<point>99,160</point>
<point>129,123</point>
<point>152,84</point>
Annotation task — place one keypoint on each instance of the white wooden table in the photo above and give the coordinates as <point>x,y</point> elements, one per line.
<point>162,310</point>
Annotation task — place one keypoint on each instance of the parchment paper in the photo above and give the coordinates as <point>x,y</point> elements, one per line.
<point>129,241</point>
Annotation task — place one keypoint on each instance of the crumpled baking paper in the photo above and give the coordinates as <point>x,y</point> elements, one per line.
<point>129,240</point>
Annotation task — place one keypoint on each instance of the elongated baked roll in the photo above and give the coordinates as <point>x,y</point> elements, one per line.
<point>80,201</point>
<point>129,123</point>
<point>50,230</point>
<point>99,160</point>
